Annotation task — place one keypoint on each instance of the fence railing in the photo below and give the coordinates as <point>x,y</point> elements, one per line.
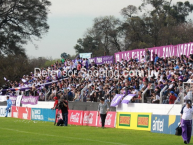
<point>161,94</point>
<point>143,94</point>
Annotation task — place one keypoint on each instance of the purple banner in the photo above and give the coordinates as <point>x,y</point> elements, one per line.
<point>102,60</point>
<point>162,51</point>
<point>116,100</point>
<point>128,98</point>
<point>32,100</point>
<point>13,100</point>
<point>92,60</point>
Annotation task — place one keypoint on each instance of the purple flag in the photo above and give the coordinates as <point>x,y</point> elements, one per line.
<point>32,100</point>
<point>13,100</point>
<point>102,60</point>
<point>128,98</point>
<point>116,100</point>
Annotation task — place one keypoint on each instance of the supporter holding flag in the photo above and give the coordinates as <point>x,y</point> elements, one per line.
<point>9,103</point>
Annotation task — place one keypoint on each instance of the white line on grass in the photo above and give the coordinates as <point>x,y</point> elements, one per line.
<point>64,136</point>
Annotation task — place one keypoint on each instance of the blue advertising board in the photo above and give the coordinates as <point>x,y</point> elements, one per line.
<point>3,111</point>
<point>42,114</point>
<point>164,123</point>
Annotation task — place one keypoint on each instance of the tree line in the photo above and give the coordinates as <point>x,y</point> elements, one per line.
<point>153,23</point>
<point>21,21</point>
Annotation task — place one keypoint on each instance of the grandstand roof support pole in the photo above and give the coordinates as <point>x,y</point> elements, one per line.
<point>143,94</point>
<point>161,94</point>
<point>183,95</point>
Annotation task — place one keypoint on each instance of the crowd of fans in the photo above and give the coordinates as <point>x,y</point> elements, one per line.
<point>81,80</point>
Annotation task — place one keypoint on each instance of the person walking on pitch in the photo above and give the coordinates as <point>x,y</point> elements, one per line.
<point>103,109</point>
<point>186,121</point>
<point>9,103</point>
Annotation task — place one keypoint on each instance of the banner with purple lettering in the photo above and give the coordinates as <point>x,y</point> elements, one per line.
<point>91,60</point>
<point>162,51</point>
<point>32,100</point>
<point>108,59</point>
<point>102,60</point>
<point>13,100</point>
<point>116,100</point>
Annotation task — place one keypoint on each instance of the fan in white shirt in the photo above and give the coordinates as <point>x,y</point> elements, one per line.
<point>186,121</point>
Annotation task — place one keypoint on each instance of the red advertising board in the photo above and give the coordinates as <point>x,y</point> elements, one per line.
<point>21,112</point>
<point>90,118</point>
<point>24,113</point>
<point>75,117</point>
<point>14,111</point>
<point>110,120</point>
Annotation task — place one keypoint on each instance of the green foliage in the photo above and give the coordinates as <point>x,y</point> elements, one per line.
<point>161,24</point>
<point>64,55</point>
<point>13,67</point>
<point>101,38</point>
<point>21,21</point>
<point>51,62</point>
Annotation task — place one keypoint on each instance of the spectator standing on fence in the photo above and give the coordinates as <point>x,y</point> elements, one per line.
<point>186,121</point>
<point>9,103</point>
<point>103,109</point>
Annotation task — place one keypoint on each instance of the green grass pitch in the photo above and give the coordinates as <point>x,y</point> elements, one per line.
<point>28,132</point>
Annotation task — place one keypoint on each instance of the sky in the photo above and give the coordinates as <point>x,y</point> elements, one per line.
<point>69,20</point>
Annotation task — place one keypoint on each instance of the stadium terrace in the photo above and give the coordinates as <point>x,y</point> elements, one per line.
<point>152,72</point>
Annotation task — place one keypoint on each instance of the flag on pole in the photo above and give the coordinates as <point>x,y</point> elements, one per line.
<point>128,98</point>
<point>116,100</point>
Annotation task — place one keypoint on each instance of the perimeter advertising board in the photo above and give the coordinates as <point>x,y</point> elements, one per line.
<point>3,111</point>
<point>24,113</point>
<point>21,112</point>
<point>137,121</point>
<point>75,117</point>
<point>164,123</point>
<point>43,114</point>
<point>90,118</point>
<point>109,121</point>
